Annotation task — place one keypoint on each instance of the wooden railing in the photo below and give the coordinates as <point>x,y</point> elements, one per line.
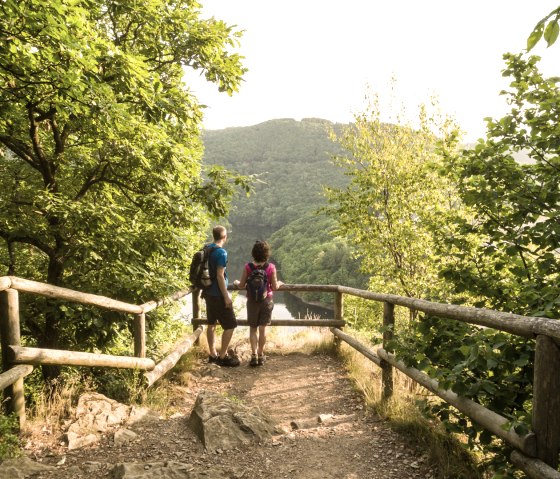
<point>18,361</point>
<point>535,453</point>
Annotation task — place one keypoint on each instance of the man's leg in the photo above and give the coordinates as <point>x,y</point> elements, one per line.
<point>226,338</point>
<point>210,335</point>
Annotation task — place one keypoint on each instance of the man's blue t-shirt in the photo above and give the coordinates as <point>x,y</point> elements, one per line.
<point>218,258</point>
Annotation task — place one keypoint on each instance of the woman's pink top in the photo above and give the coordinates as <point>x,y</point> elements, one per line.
<point>270,270</point>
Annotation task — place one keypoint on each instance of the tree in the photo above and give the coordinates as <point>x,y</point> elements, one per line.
<point>100,178</point>
<point>394,195</point>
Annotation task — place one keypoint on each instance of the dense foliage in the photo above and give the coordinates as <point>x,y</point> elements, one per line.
<point>101,185</point>
<point>513,207</point>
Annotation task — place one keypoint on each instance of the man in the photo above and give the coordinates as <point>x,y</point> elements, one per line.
<point>219,307</point>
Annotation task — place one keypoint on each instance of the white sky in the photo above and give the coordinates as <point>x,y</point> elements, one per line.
<point>315,58</point>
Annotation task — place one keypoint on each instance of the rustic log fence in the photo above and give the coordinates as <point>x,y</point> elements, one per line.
<point>535,453</point>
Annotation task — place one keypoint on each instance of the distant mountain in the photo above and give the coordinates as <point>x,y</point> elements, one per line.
<point>292,159</point>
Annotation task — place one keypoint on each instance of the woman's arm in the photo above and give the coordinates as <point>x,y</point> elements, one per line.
<point>274,281</point>
<point>243,281</point>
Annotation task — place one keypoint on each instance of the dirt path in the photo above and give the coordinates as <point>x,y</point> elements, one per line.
<point>295,388</point>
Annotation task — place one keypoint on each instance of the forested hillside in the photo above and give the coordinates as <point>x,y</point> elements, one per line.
<point>292,161</point>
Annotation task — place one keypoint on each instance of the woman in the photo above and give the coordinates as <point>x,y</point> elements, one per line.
<point>259,304</point>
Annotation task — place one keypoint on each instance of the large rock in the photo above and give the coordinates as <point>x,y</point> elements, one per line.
<point>222,424</point>
<point>163,470</point>
<point>21,467</point>
<point>96,414</point>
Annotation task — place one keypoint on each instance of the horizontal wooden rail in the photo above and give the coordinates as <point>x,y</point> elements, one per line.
<point>357,345</point>
<point>174,297</point>
<point>5,283</point>
<point>483,416</point>
<point>43,289</point>
<point>13,374</point>
<point>534,468</point>
<point>336,323</point>
<point>35,356</point>
<point>526,326</point>
<point>166,364</point>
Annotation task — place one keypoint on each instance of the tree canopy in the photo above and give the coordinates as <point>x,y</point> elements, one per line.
<point>101,182</point>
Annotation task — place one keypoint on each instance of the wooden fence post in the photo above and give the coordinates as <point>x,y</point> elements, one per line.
<point>386,368</point>
<point>10,336</point>
<point>338,314</point>
<point>546,400</point>
<point>140,335</point>
<point>195,305</point>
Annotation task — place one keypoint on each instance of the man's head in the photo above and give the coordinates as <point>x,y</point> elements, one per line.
<point>219,233</point>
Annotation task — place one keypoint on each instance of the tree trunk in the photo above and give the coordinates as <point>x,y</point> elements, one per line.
<point>53,316</point>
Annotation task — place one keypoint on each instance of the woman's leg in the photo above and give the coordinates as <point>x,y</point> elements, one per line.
<point>262,339</point>
<point>253,339</point>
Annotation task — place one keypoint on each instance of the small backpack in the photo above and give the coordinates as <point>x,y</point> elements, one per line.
<point>257,282</point>
<point>199,273</point>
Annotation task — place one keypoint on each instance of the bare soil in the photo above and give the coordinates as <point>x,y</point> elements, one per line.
<point>294,389</point>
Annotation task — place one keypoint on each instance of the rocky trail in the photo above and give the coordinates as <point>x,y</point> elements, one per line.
<point>322,430</point>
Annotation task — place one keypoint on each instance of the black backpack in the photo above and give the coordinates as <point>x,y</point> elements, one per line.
<point>199,273</point>
<point>257,282</point>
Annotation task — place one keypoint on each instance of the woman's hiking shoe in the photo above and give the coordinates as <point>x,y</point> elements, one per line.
<point>228,361</point>
<point>261,360</point>
<point>254,362</point>
<point>213,359</point>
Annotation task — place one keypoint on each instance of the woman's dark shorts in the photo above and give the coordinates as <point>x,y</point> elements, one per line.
<point>217,312</point>
<point>259,314</point>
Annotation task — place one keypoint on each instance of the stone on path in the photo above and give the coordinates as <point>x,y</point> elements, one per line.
<point>221,423</point>
<point>21,468</point>
<point>96,414</point>
<point>163,470</point>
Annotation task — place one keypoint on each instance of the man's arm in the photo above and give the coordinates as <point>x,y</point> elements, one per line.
<point>221,277</point>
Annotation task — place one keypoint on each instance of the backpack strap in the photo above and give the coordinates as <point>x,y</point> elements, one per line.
<point>253,267</point>
<point>211,269</point>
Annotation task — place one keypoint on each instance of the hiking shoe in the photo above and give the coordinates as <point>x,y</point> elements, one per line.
<point>261,360</point>
<point>228,361</point>
<point>213,359</point>
<point>254,362</point>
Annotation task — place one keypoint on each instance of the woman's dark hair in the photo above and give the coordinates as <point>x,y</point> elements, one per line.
<point>261,251</point>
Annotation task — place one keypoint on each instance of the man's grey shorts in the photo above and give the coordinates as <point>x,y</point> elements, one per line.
<point>217,312</point>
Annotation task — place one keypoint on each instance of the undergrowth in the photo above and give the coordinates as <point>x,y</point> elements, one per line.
<point>9,440</point>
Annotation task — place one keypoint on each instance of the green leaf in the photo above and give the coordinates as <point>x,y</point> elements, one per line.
<point>551,32</point>
<point>535,36</point>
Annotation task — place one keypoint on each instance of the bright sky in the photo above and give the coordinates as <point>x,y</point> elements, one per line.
<point>316,58</point>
